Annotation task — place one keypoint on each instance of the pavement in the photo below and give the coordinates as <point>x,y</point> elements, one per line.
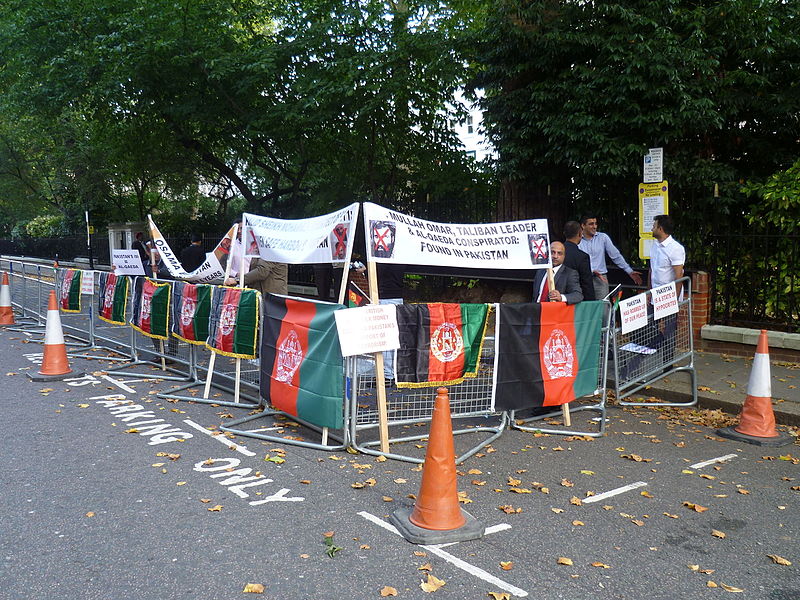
<point>722,384</point>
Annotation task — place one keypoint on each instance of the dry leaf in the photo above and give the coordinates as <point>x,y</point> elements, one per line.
<point>711,584</point>
<point>718,534</point>
<point>670,515</point>
<point>388,499</point>
<point>563,560</point>
<point>695,507</point>
<point>181,483</point>
<point>602,565</point>
<point>557,510</point>
<point>509,510</point>
<point>514,482</point>
<point>517,490</point>
<point>388,591</point>
<point>364,547</point>
<point>506,565</point>
<point>576,501</point>
<point>584,472</point>
<point>216,508</point>
<point>567,483</point>
<point>499,595</point>
<point>420,553</point>
<point>744,492</point>
<point>205,500</point>
<point>577,523</point>
<point>425,567</point>
<point>433,584</point>
<point>253,588</point>
<point>477,482</point>
<point>637,522</point>
<point>91,514</point>
<point>647,494</point>
<point>730,588</point>
<point>475,472</point>
<point>779,560</point>
<point>694,567</point>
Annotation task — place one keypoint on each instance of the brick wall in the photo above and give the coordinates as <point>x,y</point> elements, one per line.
<point>701,306</point>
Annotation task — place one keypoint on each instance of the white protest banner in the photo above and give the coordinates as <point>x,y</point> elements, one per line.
<point>209,272</point>
<point>87,282</point>
<point>393,237</point>
<point>367,329</point>
<point>127,262</point>
<point>665,301</point>
<point>322,239</point>
<point>633,313</point>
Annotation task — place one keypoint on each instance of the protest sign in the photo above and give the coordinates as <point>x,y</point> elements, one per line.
<point>127,262</point>
<point>367,329</point>
<point>665,301</point>
<point>633,313</point>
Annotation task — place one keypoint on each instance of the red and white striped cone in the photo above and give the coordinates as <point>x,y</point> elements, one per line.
<point>54,362</point>
<point>6,312</point>
<point>757,420</point>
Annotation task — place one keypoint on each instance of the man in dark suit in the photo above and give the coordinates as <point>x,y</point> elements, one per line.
<point>577,259</point>
<point>193,255</point>
<point>566,280</point>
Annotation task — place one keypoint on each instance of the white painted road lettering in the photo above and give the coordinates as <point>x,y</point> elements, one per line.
<point>238,479</point>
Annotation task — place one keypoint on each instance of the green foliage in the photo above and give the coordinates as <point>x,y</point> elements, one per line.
<point>46,226</point>
<point>778,200</point>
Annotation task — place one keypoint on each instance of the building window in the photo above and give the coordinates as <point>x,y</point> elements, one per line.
<point>469,125</point>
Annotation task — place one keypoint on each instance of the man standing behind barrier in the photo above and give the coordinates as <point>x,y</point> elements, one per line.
<point>597,244</point>
<point>144,253</point>
<point>193,255</point>
<point>566,280</point>
<point>577,259</point>
<point>266,276</point>
<point>667,258</point>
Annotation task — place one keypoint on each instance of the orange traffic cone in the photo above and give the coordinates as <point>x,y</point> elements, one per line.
<point>437,518</point>
<point>6,312</point>
<point>757,421</point>
<point>54,364</point>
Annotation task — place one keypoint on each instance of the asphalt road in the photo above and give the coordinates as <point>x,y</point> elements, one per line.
<point>92,509</point>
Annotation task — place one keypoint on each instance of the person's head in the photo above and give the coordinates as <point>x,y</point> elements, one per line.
<point>572,230</point>
<point>589,224</point>
<point>139,236</point>
<point>662,227</point>
<point>196,238</point>
<point>557,253</point>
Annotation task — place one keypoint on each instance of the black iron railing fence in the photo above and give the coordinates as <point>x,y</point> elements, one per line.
<point>755,277</point>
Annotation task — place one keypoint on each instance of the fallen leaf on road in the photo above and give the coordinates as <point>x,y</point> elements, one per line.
<point>216,508</point>
<point>576,501</point>
<point>563,560</point>
<point>557,510</point>
<point>499,595</point>
<point>509,510</point>
<point>517,490</point>
<point>388,591</point>
<point>253,588</point>
<point>433,584</point>
<point>711,584</point>
<point>585,472</point>
<point>506,565</point>
<point>718,534</point>
<point>671,516</point>
<point>577,523</point>
<point>695,507</point>
<point>91,514</point>
<point>601,565</point>
<point>730,588</point>
<point>743,492</point>
<point>567,483</point>
<point>647,494</point>
<point>425,567</point>
<point>779,560</point>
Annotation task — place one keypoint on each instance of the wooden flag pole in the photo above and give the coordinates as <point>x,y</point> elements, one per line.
<point>163,358</point>
<point>551,284</point>
<point>380,382</point>
<point>213,357</point>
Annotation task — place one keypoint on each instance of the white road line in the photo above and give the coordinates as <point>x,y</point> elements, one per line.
<point>219,437</point>
<point>489,530</point>
<point>719,459</point>
<point>463,565</point>
<point>608,494</point>
<point>119,384</point>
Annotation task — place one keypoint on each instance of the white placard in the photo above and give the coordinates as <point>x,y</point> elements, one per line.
<point>633,313</point>
<point>127,262</point>
<point>322,239</point>
<point>665,301</point>
<point>367,329</point>
<point>87,282</point>
<point>653,165</point>
<point>394,237</point>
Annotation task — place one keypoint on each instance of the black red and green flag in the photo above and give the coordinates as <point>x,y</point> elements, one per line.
<point>70,291</point>
<point>546,354</point>
<point>191,305</point>
<point>302,371</point>
<point>113,298</point>
<point>150,314</point>
<point>233,321</point>
<point>440,344</point>
<point>356,296</point>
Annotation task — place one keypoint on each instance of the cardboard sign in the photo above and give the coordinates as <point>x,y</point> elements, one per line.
<point>87,283</point>
<point>633,313</point>
<point>367,329</point>
<point>127,262</point>
<point>665,301</point>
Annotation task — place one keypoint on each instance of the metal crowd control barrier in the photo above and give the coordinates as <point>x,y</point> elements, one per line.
<point>413,407</point>
<point>592,406</point>
<point>660,349</point>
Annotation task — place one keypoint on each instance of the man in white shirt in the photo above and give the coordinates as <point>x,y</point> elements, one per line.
<point>667,258</point>
<point>597,244</point>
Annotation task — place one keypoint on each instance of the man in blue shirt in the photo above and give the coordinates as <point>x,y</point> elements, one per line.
<point>597,244</point>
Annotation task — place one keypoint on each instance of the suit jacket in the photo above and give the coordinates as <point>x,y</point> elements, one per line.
<point>566,281</point>
<point>577,259</point>
<point>267,277</point>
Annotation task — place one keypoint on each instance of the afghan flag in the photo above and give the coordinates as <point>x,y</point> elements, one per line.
<point>355,296</point>
<point>191,305</point>
<point>150,314</point>
<point>70,291</point>
<point>546,354</point>
<point>302,371</point>
<point>113,298</point>
<point>440,344</point>
<point>233,322</point>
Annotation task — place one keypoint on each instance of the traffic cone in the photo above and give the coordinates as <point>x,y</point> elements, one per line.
<point>757,421</point>
<point>54,363</point>
<point>437,518</point>
<point>6,312</point>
